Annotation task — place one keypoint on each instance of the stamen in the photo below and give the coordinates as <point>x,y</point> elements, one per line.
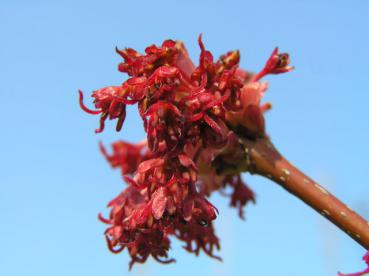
<point>85,108</point>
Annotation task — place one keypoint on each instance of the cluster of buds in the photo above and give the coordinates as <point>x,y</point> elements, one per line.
<point>194,118</point>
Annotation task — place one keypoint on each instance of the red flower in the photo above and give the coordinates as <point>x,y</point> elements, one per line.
<point>276,64</point>
<point>241,194</point>
<point>197,208</point>
<point>198,237</point>
<point>136,64</point>
<point>193,118</point>
<point>110,101</point>
<point>125,155</point>
<point>164,123</point>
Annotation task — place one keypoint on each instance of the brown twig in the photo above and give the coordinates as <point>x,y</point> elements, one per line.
<point>265,160</point>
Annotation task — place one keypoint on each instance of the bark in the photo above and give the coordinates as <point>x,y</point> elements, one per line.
<point>265,160</point>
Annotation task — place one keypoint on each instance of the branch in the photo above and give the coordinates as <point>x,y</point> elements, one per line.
<point>265,160</point>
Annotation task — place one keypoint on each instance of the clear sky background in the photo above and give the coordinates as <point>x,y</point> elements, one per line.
<point>53,180</point>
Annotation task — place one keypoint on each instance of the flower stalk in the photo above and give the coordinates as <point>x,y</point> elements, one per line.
<point>266,161</point>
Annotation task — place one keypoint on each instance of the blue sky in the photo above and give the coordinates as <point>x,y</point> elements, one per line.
<point>54,181</point>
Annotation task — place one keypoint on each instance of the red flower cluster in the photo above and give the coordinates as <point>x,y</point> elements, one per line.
<point>193,117</point>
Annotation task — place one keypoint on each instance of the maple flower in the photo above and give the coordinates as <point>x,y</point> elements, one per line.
<point>241,194</point>
<point>276,64</point>
<point>194,118</point>
<point>125,156</point>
